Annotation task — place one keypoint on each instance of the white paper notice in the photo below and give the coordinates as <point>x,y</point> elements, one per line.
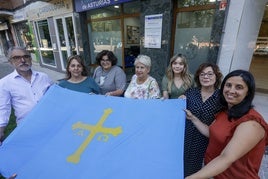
<point>153,31</point>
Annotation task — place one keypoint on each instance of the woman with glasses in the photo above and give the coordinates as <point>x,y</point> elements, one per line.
<point>110,77</point>
<point>177,79</point>
<point>238,135</point>
<point>77,78</point>
<point>203,102</point>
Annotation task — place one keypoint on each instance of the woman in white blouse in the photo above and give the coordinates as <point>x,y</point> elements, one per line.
<point>142,85</point>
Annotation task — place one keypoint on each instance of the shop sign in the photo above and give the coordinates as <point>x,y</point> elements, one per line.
<point>49,9</point>
<point>84,5</point>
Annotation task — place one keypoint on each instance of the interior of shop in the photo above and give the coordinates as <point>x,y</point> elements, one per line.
<point>259,63</point>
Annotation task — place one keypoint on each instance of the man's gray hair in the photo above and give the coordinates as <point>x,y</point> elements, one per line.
<point>11,49</point>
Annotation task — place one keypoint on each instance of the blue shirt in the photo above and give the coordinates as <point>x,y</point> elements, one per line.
<point>87,86</point>
<point>21,95</point>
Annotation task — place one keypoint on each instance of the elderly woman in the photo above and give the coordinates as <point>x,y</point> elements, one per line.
<point>142,85</point>
<point>110,77</point>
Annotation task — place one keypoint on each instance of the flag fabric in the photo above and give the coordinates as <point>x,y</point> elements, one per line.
<point>71,135</point>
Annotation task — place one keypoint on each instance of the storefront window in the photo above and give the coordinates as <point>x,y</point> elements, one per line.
<point>23,35</point>
<point>106,27</point>
<point>132,7</point>
<point>104,12</point>
<point>132,40</point>
<point>66,38</point>
<point>192,38</point>
<point>44,42</point>
<point>106,35</point>
<point>188,3</point>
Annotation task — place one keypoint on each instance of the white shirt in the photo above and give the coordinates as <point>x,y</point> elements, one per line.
<point>20,94</point>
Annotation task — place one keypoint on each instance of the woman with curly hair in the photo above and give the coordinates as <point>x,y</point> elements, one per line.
<point>110,77</point>
<point>204,102</point>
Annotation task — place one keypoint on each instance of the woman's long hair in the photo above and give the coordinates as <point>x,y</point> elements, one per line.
<point>185,75</point>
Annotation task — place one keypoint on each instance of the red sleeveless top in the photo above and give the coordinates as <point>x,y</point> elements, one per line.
<point>221,132</point>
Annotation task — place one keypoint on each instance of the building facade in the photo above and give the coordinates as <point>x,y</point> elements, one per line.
<point>227,32</point>
<point>129,28</point>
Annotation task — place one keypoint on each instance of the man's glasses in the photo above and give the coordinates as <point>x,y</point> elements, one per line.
<point>209,75</point>
<point>17,58</point>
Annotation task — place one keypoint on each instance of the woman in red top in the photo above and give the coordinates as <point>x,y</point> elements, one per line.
<point>239,134</point>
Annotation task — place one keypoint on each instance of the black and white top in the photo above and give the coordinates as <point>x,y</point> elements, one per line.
<point>195,143</point>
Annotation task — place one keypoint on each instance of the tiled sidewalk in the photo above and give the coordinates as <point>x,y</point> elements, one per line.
<point>261,103</point>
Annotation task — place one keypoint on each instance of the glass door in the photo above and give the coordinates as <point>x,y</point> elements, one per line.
<point>192,36</point>
<point>66,40</point>
<point>44,43</point>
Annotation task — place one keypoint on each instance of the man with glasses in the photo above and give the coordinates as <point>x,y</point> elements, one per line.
<point>21,89</point>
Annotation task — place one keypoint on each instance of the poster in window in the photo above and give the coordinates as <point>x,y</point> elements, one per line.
<point>133,34</point>
<point>153,31</point>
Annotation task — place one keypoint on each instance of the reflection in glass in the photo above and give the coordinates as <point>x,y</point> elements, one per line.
<point>66,38</point>
<point>103,12</point>
<point>62,45</point>
<point>132,41</point>
<point>23,35</point>
<point>44,42</point>
<point>132,7</point>
<point>70,32</point>
<point>106,35</point>
<point>192,38</point>
<point>188,3</point>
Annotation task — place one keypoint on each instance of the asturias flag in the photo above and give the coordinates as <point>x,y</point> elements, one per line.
<point>72,135</point>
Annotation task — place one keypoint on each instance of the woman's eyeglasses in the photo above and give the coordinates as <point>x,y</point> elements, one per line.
<point>209,75</point>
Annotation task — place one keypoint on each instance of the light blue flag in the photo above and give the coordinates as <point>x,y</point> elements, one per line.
<point>72,135</point>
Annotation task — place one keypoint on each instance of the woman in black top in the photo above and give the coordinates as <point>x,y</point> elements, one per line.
<point>203,102</point>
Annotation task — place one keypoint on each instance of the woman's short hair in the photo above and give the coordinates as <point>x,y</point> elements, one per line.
<point>244,106</point>
<point>144,59</point>
<point>79,59</point>
<point>111,57</point>
<point>216,71</point>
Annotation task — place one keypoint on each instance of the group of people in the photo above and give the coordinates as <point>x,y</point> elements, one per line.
<point>225,137</point>
<point>109,79</point>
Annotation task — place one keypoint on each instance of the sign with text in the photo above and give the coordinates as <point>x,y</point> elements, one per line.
<point>84,5</point>
<point>153,31</point>
<point>40,9</point>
